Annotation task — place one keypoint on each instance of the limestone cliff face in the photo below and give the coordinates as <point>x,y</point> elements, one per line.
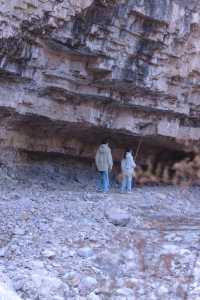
<point>72,72</point>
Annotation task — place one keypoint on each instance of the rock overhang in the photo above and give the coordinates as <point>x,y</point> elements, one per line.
<point>128,75</point>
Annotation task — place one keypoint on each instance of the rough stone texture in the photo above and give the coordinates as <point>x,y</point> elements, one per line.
<point>72,72</point>
<point>117,216</point>
<point>6,289</point>
<point>156,256</point>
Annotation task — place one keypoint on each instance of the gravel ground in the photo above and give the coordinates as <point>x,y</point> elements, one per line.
<point>62,240</point>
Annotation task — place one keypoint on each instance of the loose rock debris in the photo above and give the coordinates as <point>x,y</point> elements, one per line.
<point>70,242</point>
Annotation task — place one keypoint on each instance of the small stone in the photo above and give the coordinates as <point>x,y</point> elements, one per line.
<point>3,252</point>
<point>69,253</point>
<point>119,297</point>
<point>161,196</point>
<point>85,252</point>
<point>162,290</point>
<point>58,298</point>
<point>7,293</point>
<point>45,283</point>
<point>36,264</point>
<point>128,254</point>
<point>19,231</point>
<point>72,279</point>
<point>87,285</point>
<point>117,216</point>
<point>48,253</point>
<point>124,292</point>
<point>18,284</point>
<point>93,296</point>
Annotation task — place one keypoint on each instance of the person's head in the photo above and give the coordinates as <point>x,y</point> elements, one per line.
<point>126,151</point>
<point>105,141</point>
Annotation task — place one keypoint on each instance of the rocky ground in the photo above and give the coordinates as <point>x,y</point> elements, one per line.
<point>60,239</point>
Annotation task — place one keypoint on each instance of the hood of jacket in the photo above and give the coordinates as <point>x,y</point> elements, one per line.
<point>129,155</point>
<point>103,148</point>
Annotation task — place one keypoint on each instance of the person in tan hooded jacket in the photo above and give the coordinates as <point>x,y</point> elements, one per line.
<point>104,163</point>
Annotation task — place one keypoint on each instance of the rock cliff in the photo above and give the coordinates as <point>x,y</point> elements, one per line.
<point>73,72</point>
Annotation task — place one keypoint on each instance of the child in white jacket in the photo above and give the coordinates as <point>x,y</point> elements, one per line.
<point>127,166</point>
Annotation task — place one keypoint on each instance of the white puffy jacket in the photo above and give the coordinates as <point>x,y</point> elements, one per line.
<point>128,165</point>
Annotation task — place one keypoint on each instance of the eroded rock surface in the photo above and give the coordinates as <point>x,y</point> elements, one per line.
<point>72,72</point>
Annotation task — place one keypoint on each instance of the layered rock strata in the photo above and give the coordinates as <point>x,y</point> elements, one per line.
<point>73,72</point>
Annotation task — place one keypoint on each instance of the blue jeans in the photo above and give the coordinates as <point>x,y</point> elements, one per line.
<point>126,183</point>
<point>104,181</point>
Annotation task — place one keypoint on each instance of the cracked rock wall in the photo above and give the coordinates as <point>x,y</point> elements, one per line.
<point>73,72</point>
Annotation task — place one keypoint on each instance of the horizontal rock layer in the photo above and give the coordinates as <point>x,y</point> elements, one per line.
<point>73,72</point>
